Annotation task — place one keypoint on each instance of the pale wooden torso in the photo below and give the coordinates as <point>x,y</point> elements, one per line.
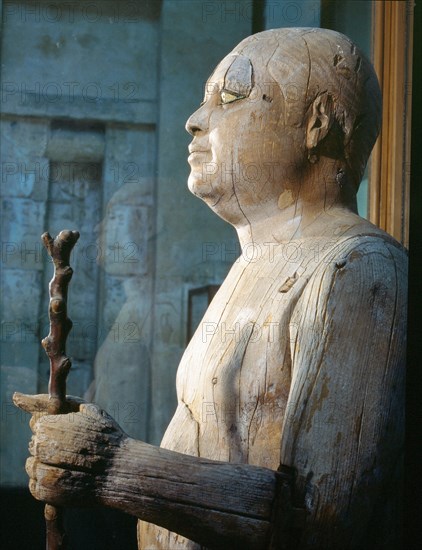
<point>234,378</point>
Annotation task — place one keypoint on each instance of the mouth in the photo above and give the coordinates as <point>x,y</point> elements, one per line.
<point>193,148</point>
<point>197,151</point>
<point>197,155</point>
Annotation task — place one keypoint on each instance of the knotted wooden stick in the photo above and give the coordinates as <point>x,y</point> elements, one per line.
<point>55,347</point>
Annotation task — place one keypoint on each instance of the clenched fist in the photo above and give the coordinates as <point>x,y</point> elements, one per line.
<point>71,453</point>
<point>83,458</point>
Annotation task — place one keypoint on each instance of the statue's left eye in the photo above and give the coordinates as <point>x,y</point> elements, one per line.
<point>229,97</point>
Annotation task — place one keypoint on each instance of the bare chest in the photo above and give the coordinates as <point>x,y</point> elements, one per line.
<point>234,378</point>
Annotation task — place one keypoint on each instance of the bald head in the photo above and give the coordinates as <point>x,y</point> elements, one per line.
<point>307,64</point>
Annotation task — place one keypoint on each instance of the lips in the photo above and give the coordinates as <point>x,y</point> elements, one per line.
<point>197,155</point>
<point>196,147</point>
<point>194,150</point>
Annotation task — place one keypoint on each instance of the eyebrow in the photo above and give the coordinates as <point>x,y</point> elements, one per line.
<point>239,76</point>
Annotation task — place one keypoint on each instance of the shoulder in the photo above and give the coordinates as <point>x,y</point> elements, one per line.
<point>353,269</point>
<point>343,235</point>
<point>354,306</point>
<point>366,254</point>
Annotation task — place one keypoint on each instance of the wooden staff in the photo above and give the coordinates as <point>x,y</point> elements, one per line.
<point>55,347</point>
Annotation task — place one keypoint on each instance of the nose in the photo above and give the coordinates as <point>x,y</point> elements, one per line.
<point>197,122</point>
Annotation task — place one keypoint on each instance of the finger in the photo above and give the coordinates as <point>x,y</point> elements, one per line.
<point>31,446</point>
<point>42,403</point>
<point>42,480</point>
<point>31,403</point>
<point>35,418</point>
<point>62,487</point>
<point>34,447</point>
<point>93,413</point>
<point>33,487</point>
<point>31,467</point>
<point>40,419</point>
<point>91,410</point>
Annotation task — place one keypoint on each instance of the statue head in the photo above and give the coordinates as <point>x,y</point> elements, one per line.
<point>286,109</point>
<point>121,235</point>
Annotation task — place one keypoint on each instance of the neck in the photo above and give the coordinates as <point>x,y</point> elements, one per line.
<point>319,203</point>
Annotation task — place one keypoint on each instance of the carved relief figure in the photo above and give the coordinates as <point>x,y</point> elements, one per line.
<point>122,363</point>
<point>289,426</point>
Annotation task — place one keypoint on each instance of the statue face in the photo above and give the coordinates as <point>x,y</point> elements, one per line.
<point>242,154</point>
<point>120,246</point>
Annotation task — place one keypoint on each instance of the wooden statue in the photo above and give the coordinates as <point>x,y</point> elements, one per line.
<point>289,426</point>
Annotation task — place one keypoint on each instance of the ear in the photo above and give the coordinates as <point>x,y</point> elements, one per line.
<point>320,121</point>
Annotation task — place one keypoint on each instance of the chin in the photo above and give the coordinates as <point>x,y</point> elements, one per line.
<point>217,200</point>
<point>205,191</point>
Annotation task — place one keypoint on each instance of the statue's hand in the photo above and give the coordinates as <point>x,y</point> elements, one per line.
<point>71,453</point>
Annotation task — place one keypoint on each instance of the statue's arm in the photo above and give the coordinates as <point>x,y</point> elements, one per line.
<point>213,503</point>
<point>84,459</point>
<point>341,433</point>
<point>343,430</point>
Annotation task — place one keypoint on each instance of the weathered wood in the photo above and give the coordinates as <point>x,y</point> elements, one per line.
<point>298,363</point>
<point>209,501</point>
<point>246,398</point>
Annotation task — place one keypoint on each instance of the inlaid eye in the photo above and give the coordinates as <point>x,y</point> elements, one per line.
<point>229,97</point>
